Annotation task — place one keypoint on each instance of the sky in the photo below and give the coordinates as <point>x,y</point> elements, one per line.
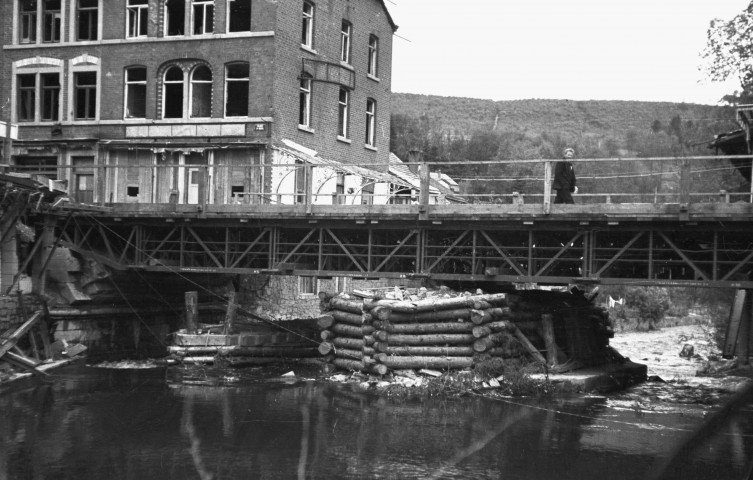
<point>648,50</point>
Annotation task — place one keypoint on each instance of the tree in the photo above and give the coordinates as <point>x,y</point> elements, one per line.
<point>728,53</point>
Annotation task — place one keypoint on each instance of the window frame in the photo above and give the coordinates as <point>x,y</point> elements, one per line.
<point>304,100</point>
<point>236,80</point>
<point>207,20</point>
<point>132,84</point>
<point>371,112</point>
<point>303,281</point>
<point>135,12</point>
<point>343,114</point>
<point>30,20</point>
<point>346,37</point>
<point>93,21</point>
<point>29,96</point>
<point>35,95</point>
<point>307,25</point>
<point>57,19</point>
<point>193,84</point>
<point>183,91</point>
<point>372,67</point>
<point>91,93</point>
<point>168,17</point>
<point>43,102</point>
<point>228,23</point>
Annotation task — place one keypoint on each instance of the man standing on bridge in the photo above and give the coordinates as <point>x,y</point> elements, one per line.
<point>564,178</point>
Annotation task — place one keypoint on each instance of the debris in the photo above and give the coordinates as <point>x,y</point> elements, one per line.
<point>289,374</point>
<point>687,351</point>
<point>431,373</point>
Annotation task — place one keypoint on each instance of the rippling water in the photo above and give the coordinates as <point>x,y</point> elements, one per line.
<point>88,423</point>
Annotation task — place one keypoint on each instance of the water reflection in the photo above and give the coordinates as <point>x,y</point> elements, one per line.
<point>92,423</point>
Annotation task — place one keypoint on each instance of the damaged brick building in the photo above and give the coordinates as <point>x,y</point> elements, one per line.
<point>184,101</point>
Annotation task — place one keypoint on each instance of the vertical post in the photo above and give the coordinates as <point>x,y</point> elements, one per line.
<point>743,343</point>
<point>423,198</point>
<point>551,346</point>
<point>232,307</point>
<point>547,187</point>
<point>7,142</point>
<point>685,182</point>
<point>192,311</point>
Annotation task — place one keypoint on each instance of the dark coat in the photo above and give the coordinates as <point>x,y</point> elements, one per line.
<point>564,176</point>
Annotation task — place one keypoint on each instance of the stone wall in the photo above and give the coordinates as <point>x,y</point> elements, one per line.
<point>11,314</point>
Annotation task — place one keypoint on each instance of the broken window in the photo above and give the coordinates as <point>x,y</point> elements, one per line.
<point>304,108</point>
<point>27,21</point>
<point>175,17</point>
<point>137,18</point>
<point>307,27</point>
<point>201,92</point>
<point>236,193</point>
<point>87,20</point>
<point>26,99</point>
<point>370,122</point>
<point>239,16</point>
<point>345,36</point>
<point>85,95</point>
<point>202,16</point>
<point>236,90</point>
<point>135,92</point>
<point>373,56</point>
<point>50,96</point>
<point>172,93</point>
<point>45,166</point>
<point>343,113</point>
<point>51,16</point>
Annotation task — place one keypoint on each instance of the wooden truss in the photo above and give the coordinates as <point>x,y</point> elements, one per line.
<point>640,253</point>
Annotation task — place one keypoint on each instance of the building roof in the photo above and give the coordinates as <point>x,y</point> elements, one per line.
<point>389,17</point>
<point>310,156</point>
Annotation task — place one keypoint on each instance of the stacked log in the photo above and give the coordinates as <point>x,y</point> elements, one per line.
<point>378,334</point>
<point>347,341</point>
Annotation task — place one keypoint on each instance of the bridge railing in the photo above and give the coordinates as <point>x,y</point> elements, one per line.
<point>699,179</point>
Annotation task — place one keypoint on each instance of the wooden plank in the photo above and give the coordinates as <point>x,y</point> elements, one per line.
<point>733,326</point>
<point>23,362</point>
<point>13,338</point>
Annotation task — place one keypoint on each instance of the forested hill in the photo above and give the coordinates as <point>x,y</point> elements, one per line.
<point>455,131</point>
<point>456,116</point>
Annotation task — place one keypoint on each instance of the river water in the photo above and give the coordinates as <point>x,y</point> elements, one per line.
<point>95,423</point>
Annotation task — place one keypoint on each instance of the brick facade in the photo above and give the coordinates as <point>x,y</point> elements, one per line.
<point>272,48</point>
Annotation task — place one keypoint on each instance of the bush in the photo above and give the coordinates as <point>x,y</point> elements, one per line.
<point>651,303</point>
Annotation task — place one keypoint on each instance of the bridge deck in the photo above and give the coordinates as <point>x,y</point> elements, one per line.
<point>697,244</point>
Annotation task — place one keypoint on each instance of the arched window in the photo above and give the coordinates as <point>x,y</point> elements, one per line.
<point>201,92</point>
<point>172,93</point>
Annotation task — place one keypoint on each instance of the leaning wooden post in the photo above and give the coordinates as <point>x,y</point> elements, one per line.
<point>547,327</point>
<point>192,311</point>
<point>547,187</point>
